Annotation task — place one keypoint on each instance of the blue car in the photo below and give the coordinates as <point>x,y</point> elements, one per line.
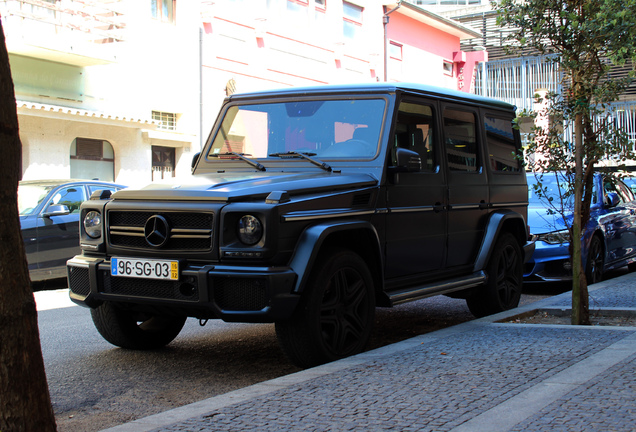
<point>609,239</point>
<point>49,218</point>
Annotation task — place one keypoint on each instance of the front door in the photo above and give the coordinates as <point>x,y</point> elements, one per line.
<point>58,236</point>
<point>416,201</point>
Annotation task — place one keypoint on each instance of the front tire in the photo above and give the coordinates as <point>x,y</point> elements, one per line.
<point>335,315</point>
<point>595,261</point>
<point>135,330</point>
<point>502,289</point>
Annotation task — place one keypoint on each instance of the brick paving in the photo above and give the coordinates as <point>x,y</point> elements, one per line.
<point>478,376</point>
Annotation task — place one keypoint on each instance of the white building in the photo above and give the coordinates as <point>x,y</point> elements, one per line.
<point>126,90</point>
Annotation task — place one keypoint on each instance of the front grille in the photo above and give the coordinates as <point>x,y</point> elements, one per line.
<point>78,280</point>
<point>151,288</point>
<point>188,231</point>
<point>240,294</point>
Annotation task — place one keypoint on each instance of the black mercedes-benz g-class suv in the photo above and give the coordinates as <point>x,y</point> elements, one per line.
<point>309,207</point>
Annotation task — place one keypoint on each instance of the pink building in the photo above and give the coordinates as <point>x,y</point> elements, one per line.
<point>251,45</point>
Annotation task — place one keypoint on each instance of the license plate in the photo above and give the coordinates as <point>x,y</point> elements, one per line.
<point>144,268</point>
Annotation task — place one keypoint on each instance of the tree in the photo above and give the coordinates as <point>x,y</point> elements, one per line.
<point>585,38</point>
<point>25,404</point>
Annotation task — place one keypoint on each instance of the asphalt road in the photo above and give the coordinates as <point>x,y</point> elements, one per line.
<point>94,385</point>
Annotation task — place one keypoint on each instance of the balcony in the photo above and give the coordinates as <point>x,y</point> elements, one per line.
<point>75,32</point>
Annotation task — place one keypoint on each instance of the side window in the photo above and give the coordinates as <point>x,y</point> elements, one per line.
<point>70,196</point>
<point>460,140</point>
<point>623,192</point>
<point>500,138</point>
<point>93,188</point>
<point>415,130</point>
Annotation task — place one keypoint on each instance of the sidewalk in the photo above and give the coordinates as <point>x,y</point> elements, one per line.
<point>477,376</point>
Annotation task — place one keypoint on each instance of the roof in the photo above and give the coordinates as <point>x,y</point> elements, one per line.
<point>449,26</point>
<point>381,87</point>
<point>57,182</point>
<point>94,116</point>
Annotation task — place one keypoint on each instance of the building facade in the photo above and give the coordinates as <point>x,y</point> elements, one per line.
<point>127,91</point>
<point>517,78</point>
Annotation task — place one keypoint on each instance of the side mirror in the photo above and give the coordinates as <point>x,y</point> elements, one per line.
<point>407,161</point>
<point>56,210</point>
<point>195,159</point>
<point>611,199</point>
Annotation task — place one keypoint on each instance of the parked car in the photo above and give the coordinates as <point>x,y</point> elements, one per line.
<point>49,218</point>
<point>609,238</point>
<point>309,207</point>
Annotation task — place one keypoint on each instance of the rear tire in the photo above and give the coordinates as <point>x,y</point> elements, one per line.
<point>502,289</point>
<point>335,315</point>
<point>135,330</point>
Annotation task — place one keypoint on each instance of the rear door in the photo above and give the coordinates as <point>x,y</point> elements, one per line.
<point>468,192</point>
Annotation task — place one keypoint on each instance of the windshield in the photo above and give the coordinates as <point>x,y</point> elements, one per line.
<point>322,128</point>
<point>29,196</point>
<point>556,189</point>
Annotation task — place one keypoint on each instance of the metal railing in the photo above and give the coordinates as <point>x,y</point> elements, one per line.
<point>517,80</point>
<point>99,21</point>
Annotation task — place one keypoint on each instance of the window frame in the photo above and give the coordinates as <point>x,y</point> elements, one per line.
<point>351,24</point>
<point>489,156</point>
<point>167,120</point>
<point>478,145</point>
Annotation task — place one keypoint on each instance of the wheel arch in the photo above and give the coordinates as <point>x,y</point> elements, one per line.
<point>360,237</point>
<point>585,249</point>
<point>499,222</point>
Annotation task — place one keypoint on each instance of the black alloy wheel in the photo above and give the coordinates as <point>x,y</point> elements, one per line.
<point>502,290</point>
<point>336,314</point>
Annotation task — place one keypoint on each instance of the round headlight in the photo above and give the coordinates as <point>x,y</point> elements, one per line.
<point>93,224</point>
<point>250,230</point>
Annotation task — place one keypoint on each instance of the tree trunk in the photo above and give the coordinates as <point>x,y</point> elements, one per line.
<point>25,404</point>
<point>580,309</point>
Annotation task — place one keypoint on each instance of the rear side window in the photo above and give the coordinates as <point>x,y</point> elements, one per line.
<point>460,138</point>
<point>502,151</point>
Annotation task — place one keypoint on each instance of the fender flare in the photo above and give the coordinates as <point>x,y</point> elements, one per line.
<point>311,241</point>
<point>493,228</point>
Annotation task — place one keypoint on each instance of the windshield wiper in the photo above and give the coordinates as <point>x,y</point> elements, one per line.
<point>242,157</point>
<point>304,155</point>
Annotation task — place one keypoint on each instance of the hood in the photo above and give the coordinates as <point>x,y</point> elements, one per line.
<point>541,222</point>
<point>242,186</point>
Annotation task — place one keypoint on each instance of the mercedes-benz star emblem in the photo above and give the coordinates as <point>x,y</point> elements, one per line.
<point>157,231</point>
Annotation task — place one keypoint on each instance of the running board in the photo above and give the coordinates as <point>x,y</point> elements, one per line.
<point>433,289</point>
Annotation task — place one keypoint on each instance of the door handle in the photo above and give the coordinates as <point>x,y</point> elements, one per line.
<point>438,207</point>
<point>483,205</point>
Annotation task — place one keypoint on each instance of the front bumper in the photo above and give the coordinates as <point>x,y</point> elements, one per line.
<point>230,293</point>
<point>549,263</point>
